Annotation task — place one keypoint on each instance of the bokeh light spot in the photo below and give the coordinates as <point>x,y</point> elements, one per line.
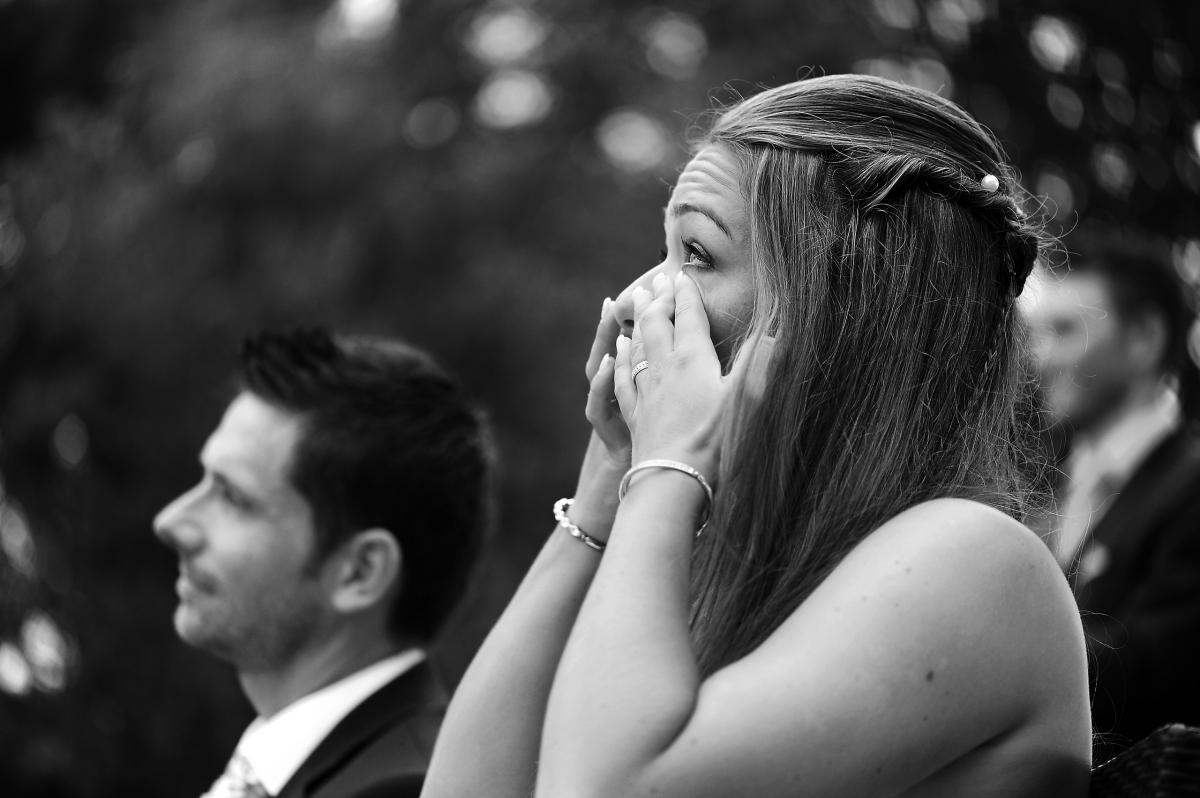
<point>16,540</point>
<point>1187,261</point>
<point>513,98</point>
<point>899,14</point>
<point>675,45</point>
<point>16,677</point>
<point>1056,189</point>
<point>195,160</point>
<point>1055,43</point>
<point>1169,61</point>
<point>1112,169</point>
<point>1118,102</point>
<point>1065,105</point>
<point>1109,67</point>
<point>350,21</point>
<point>924,73</point>
<point>70,441</point>
<point>952,20</point>
<point>431,122</point>
<point>506,37</point>
<point>46,651</point>
<point>632,141</point>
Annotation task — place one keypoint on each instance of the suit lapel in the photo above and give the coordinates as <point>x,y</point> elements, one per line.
<point>1125,532</point>
<point>409,693</point>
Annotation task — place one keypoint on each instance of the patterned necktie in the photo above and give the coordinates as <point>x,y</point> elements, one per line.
<point>238,781</point>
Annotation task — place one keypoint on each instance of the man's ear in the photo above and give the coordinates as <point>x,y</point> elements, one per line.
<point>370,568</point>
<point>1147,338</point>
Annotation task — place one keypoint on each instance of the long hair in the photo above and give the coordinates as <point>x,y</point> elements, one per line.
<point>886,273</point>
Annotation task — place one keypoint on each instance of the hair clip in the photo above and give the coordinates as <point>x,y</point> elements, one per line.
<point>990,183</point>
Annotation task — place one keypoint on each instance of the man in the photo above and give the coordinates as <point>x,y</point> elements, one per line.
<point>342,505</point>
<point>1111,337</point>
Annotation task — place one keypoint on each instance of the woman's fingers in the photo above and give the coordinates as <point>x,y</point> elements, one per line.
<point>637,345</point>
<point>623,386</point>
<point>604,343</point>
<point>600,392</point>
<point>691,322</point>
<point>657,329</point>
<point>602,410</point>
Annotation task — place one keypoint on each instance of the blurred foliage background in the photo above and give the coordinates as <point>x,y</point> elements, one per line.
<point>471,176</point>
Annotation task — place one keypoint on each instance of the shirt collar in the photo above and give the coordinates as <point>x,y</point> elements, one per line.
<point>1120,449</point>
<point>277,746</point>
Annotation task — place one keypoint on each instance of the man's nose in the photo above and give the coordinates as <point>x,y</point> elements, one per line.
<point>176,524</point>
<point>623,304</point>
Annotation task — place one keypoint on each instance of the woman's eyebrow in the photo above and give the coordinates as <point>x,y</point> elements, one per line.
<point>686,207</point>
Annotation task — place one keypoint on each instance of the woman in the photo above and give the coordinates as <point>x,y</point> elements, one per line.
<point>829,344</point>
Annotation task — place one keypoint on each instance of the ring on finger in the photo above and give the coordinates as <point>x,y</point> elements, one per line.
<point>638,368</point>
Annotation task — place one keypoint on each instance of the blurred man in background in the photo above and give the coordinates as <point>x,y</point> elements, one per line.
<point>342,505</point>
<point>1111,344</point>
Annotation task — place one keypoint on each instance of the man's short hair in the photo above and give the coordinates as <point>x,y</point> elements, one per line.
<point>388,441</point>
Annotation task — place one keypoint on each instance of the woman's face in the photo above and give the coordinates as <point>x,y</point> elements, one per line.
<point>708,235</point>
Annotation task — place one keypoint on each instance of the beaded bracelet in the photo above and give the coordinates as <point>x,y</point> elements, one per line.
<point>560,515</point>
<point>674,465</point>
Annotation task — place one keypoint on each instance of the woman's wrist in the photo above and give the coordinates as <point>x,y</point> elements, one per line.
<point>595,501</point>
<point>689,493</point>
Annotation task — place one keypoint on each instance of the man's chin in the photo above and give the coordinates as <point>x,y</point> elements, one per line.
<point>196,631</point>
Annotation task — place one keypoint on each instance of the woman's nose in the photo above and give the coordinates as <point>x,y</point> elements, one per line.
<point>623,304</point>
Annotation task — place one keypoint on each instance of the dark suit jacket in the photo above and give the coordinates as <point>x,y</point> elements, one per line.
<point>381,748</point>
<point>1139,591</point>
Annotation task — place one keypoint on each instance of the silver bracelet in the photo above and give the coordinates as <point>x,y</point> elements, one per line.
<point>560,515</point>
<point>673,465</point>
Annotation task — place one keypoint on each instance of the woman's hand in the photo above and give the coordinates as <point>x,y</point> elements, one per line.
<point>602,410</point>
<point>608,453</point>
<point>673,406</point>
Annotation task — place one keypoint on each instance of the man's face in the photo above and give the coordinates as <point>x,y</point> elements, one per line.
<point>245,539</point>
<point>1081,347</point>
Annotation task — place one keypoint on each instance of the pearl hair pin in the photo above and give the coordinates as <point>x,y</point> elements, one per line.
<point>990,183</point>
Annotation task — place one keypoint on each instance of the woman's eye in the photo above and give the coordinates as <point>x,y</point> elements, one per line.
<point>695,256</point>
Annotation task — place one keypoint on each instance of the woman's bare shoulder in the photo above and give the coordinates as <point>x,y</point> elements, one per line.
<point>956,586</point>
<point>947,567</point>
<point>960,538</point>
<point>945,643</point>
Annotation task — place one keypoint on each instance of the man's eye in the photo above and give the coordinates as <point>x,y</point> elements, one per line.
<point>231,496</point>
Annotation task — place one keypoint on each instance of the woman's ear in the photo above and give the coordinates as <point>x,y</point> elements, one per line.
<point>369,572</point>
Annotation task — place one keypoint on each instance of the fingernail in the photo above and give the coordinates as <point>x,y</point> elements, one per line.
<point>604,307</point>
<point>640,291</point>
<point>660,281</point>
<point>604,360</point>
<point>622,343</point>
